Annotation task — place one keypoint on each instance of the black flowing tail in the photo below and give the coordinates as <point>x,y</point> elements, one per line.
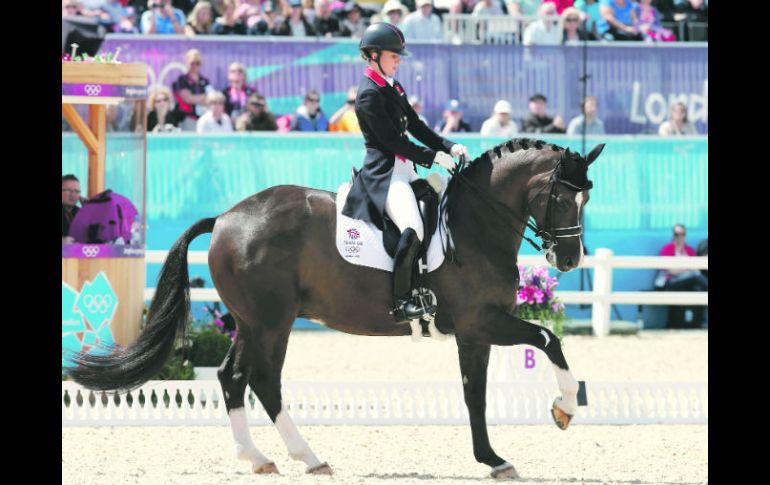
<point>130,367</point>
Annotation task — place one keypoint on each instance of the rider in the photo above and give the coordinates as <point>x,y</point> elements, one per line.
<point>382,185</point>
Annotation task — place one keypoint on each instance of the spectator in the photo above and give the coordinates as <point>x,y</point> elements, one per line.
<point>248,12</point>
<point>161,18</point>
<point>561,5</point>
<point>215,120</point>
<point>295,24</point>
<point>500,123</point>
<point>590,9</point>
<point>594,126</point>
<point>119,117</point>
<point>70,196</point>
<point>257,116</point>
<point>452,119</point>
<point>488,7</point>
<point>573,26</point>
<point>325,24</point>
<point>268,22</point>
<point>353,24</point>
<point>692,13</point>
<point>463,6</point>
<point>345,119</point>
<point>677,123</point>
<point>227,24</point>
<point>538,121</point>
<point>161,115</point>
<point>237,92</point>
<point>394,13</point>
<point>308,10</point>
<point>545,30</point>
<point>416,105</point>
<point>190,91</point>
<point>650,23</point>
<point>117,18</point>
<point>618,21</point>
<point>200,20</point>
<point>681,279</point>
<point>422,24</point>
<point>71,8</point>
<point>309,116</point>
<point>523,8</point>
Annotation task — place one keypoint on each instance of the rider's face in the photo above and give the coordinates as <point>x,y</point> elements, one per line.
<point>389,62</point>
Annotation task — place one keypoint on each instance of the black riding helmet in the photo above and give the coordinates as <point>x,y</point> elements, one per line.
<point>382,37</point>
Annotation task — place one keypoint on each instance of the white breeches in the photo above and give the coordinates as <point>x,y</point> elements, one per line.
<point>400,204</point>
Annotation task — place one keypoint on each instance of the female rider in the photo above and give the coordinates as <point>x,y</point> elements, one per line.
<point>382,186</point>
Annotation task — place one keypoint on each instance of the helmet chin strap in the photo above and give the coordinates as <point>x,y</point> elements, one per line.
<point>382,71</point>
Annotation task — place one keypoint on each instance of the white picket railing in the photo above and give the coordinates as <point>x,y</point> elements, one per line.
<point>170,403</point>
<point>601,298</point>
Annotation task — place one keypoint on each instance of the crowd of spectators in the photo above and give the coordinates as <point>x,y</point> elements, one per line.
<point>547,22</point>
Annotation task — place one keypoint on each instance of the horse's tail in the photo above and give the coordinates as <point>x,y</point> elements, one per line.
<point>130,367</point>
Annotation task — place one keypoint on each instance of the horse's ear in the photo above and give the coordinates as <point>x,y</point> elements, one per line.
<point>594,154</point>
<point>567,153</point>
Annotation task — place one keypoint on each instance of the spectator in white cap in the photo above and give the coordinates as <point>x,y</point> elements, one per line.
<point>422,24</point>
<point>394,13</point>
<point>500,123</point>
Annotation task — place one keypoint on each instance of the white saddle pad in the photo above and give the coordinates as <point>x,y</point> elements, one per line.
<point>360,242</point>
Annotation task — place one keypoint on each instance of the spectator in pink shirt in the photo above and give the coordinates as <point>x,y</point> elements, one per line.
<point>681,279</point>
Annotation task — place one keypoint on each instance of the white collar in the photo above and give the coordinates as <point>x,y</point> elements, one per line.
<point>390,80</point>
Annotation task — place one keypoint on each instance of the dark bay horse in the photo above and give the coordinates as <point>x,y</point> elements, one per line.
<point>273,258</point>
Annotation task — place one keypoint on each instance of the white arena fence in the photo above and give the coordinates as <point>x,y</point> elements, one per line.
<point>516,394</point>
<point>194,403</point>
<point>601,298</point>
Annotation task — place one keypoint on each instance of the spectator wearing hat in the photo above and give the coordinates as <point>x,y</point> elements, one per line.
<point>295,24</point>
<point>545,30</point>
<point>309,116</point>
<point>594,126</point>
<point>538,121</point>
<point>500,123</point>
<point>453,119</point>
<point>353,23</point>
<point>423,24</point>
<point>257,116</point>
<point>215,120</point>
<point>394,13</point>
<point>416,105</point>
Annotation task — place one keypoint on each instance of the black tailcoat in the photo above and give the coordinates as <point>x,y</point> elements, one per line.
<point>385,116</point>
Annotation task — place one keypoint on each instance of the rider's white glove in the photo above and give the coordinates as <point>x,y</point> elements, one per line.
<point>458,150</point>
<point>445,160</point>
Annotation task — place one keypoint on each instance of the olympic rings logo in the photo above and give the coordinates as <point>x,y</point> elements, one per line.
<point>97,303</point>
<point>93,89</point>
<point>90,251</point>
<point>352,249</point>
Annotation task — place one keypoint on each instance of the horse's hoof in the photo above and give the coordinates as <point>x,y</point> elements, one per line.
<point>561,418</point>
<point>268,467</point>
<point>506,472</point>
<point>322,469</point>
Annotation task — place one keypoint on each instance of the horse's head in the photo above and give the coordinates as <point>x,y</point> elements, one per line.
<point>556,199</point>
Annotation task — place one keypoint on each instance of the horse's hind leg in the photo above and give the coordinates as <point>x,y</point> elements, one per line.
<point>233,376</point>
<point>265,381</point>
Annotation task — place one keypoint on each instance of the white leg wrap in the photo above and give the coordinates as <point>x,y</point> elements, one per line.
<point>244,446</point>
<point>434,332</point>
<point>569,387</point>
<point>416,330</point>
<point>298,448</point>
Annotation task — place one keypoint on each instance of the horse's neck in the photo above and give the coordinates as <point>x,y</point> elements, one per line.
<point>494,227</point>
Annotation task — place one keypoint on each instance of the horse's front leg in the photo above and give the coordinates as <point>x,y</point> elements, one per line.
<point>502,328</point>
<point>473,366</point>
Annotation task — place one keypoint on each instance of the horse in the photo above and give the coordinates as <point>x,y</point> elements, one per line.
<point>273,258</point>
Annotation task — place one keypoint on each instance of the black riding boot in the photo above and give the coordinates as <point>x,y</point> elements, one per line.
<point>406,306</point>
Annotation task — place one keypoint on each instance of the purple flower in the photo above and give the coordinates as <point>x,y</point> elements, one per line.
<point>537,295</point>
<point>219,323</point>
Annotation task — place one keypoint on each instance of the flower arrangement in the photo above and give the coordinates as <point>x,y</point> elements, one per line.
<point>536,300</point>
<point>107,58</point>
